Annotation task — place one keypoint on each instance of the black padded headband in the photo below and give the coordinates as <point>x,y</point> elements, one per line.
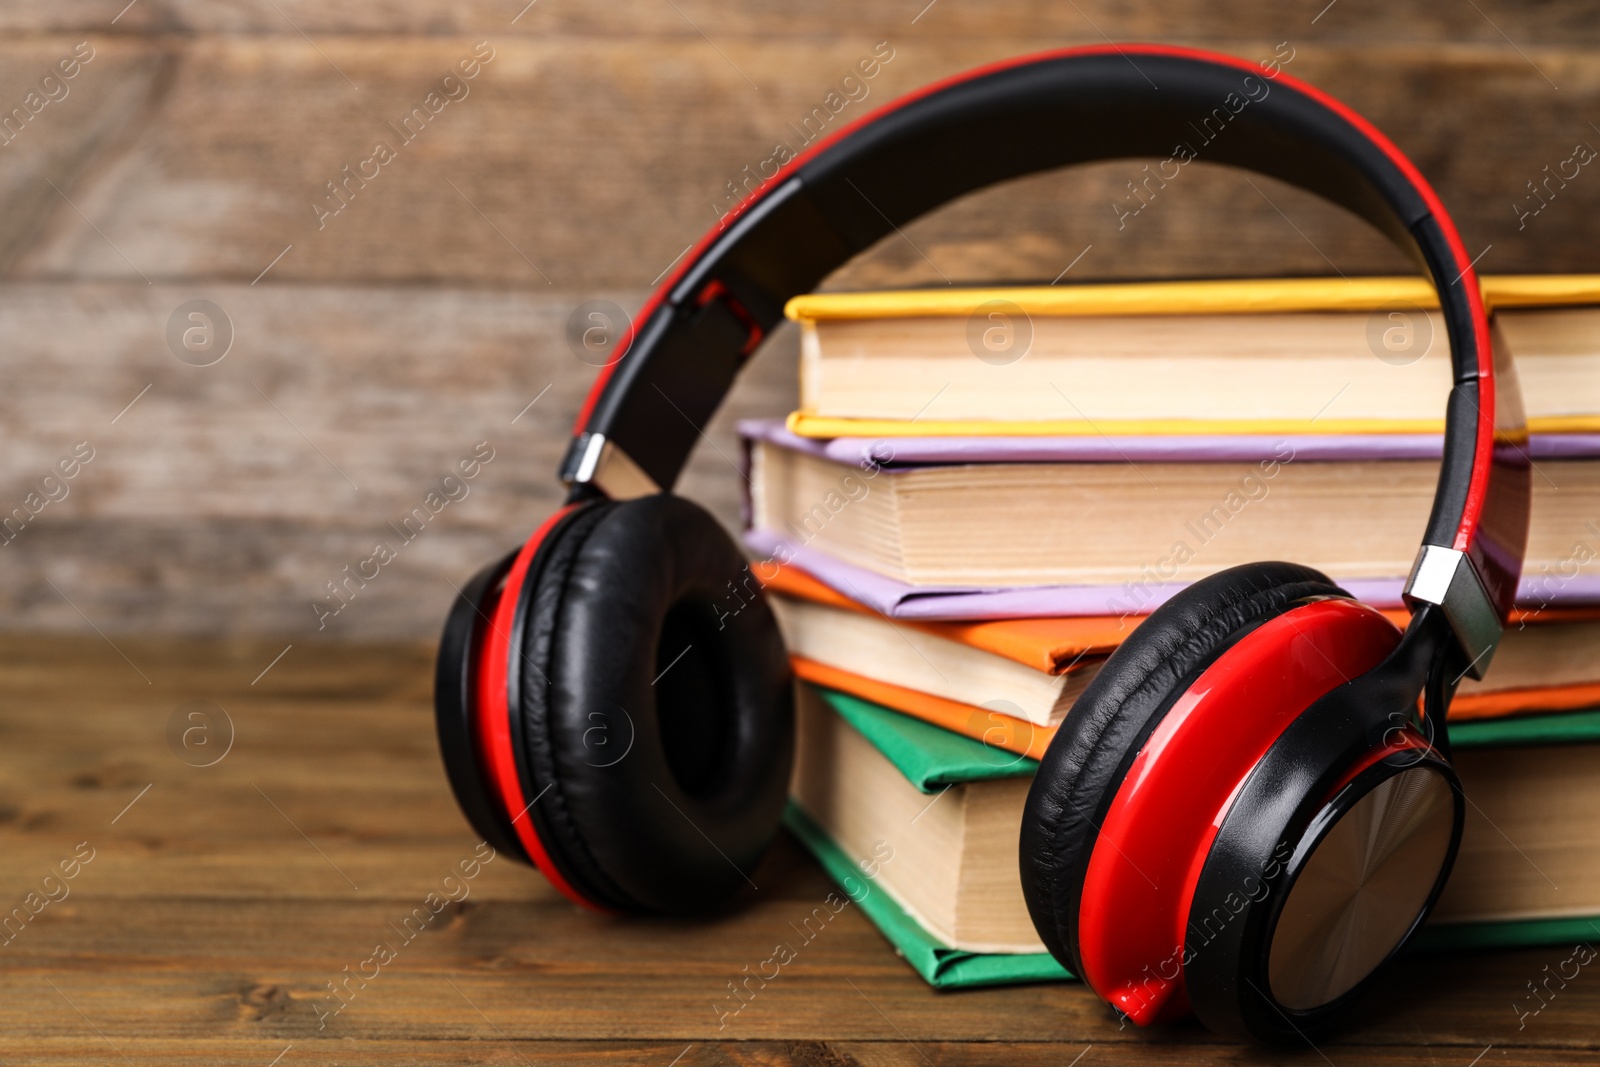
<point>649,406</point>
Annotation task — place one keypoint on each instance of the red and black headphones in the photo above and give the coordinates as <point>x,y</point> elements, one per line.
<point>1245,815</point>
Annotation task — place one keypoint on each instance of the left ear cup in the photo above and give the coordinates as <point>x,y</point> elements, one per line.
<point>650,708</point>
<point>454,706</point>
<point>1133,690</point>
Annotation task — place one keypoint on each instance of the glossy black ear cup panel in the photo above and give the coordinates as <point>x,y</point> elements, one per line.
<point>1108,724</point>
<point>653,709</point>
<point>1385,875</point>
<point>454,678</point>
<point>1382,871</point>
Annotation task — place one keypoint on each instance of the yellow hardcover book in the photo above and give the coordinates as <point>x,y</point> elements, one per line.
<point>1203,297</point>
<point>1267,356</point>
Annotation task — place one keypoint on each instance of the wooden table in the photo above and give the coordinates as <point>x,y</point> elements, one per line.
<point>222,900</point>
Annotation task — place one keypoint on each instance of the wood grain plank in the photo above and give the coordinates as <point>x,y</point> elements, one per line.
<point>233,494</point>
<point>489,1050</point>
<point>593,163</point>
<point>179,968</point>
<point>57,128</point>
<point>226,498</point>
<point>1489,22</point>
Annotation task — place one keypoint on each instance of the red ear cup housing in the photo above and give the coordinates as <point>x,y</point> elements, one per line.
<point>1108,725</point>
<point>639,712</point>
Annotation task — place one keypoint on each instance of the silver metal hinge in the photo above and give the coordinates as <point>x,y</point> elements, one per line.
<point>593,460</point>
<point>1446,577</point>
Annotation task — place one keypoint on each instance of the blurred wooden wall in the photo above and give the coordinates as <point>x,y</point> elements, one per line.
<point>374,348</point>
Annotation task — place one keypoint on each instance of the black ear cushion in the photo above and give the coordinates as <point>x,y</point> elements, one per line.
<point>454,678</point>
<point>655,706</point>
<point>1110,722</point>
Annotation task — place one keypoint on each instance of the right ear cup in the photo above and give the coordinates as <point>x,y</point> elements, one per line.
<point>1133,690</point>
<point>648,708</point>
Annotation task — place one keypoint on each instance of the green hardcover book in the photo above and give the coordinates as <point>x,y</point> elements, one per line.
<point>872,782</point>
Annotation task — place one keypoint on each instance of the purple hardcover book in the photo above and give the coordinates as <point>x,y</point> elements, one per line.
<point>899,599</point>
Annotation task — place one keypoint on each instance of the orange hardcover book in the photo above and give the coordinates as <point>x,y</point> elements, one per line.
<point>918,669</point>
<point>992,727</point>
<point>1501,703</point>
<point>1052,645</point>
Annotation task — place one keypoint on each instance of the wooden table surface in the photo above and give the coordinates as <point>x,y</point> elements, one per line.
<point>220,902</point>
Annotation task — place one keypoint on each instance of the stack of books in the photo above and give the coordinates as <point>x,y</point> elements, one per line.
<point>985,490</point>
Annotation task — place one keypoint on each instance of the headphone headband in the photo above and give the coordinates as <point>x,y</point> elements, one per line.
<point>648,408</point>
